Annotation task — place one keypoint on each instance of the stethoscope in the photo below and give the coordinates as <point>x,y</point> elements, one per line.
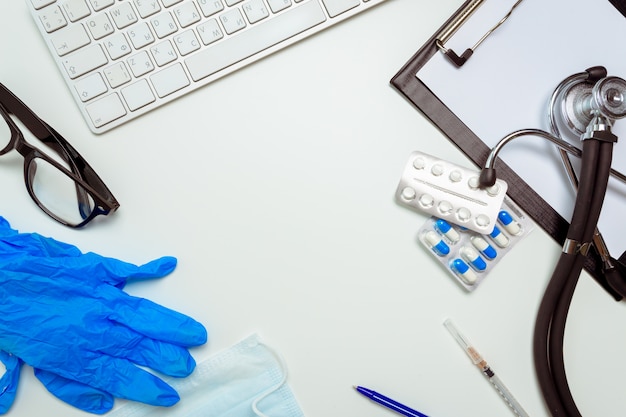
<point>587,103</point>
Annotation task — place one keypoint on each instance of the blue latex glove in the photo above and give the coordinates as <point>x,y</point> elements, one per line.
<point>65,314</point>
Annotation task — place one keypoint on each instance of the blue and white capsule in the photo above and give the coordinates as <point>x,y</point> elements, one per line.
<point>447,230</point>
<point>484,247</point>
<point>463,271</point>
<point>436,243</point>
<point>499,238</point>
<point>509,223</point>
<point>471,255</point>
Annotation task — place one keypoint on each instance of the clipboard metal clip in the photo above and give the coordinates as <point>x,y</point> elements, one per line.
<point>457,22</point>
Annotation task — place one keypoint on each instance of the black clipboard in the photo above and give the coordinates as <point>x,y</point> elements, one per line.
<point>426,101</point>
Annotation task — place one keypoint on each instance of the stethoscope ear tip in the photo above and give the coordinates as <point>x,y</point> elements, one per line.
<point>487,177</point>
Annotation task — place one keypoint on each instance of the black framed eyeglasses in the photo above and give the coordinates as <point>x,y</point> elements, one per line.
<point>66,188</point>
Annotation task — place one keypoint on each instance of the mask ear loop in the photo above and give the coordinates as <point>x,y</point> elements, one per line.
<point>283,368</point>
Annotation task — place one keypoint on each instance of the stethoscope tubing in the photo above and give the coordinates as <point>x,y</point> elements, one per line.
<point>552,314</point>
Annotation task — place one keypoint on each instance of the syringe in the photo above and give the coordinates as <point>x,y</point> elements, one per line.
<point>485,369</point>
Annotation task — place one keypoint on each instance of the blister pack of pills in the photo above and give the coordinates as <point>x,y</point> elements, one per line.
<point>469,256</point>
<point>451,192</point>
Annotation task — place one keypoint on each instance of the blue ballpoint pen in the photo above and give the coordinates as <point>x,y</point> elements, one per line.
<point>389,403</point>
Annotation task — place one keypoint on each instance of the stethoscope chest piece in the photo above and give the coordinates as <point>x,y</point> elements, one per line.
<point>582,100</point>
<point>573,106</point>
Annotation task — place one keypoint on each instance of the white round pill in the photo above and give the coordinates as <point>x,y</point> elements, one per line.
<point>408,193</point>
<point>473,183</point>
<point>456,176</point>
<point>445,207</point>
<point>463,214</point>
<point>482,220</point>
<point>493,190</point>
<point>419,163</point>
<point>427,200</point>
<point>437,170</point>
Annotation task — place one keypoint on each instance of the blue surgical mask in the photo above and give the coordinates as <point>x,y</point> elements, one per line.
<point>245,380</point>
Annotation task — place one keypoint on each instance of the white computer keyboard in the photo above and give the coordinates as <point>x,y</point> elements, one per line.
<point>123,58</point>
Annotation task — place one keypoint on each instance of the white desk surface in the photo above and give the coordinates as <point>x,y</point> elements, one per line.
<point>274,188</point>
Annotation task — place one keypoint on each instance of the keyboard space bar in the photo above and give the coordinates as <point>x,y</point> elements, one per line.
<point>257,38</point>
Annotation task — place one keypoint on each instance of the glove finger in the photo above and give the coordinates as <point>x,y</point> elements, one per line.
<point>116,376</point>
<point>123,379</point>
<point>89,266</point>
<point>110,270</point>
<point>117,273</point>
<point>122,342</point>
<point>157,322</point>
<point>77,394</point>
<point>9,381</point>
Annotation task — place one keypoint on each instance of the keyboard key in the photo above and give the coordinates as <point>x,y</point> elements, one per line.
<point>90,87</point>
<point>105,110</point>
<point>186,42</point>
<point>69,39</point>
<point>187,14</point>
<point>140,64</point>
<point>117,74</point>
<point>163,53</point>
<point>101,4</point>
<point>278,5</point>
<point>138,95</point>
<point>255,10</point>
<point>257,38</point>
<point>336,7</point>
<point>163,25</point>
<point>210,31</point>
<point>117,46</point>
<point>123,15</point>
<point>52,18</point>
<point>169,80</point>
<point>76,9</point>
<point>38,4</point>
<point>147,7</point>
<point>84,60</point>
<point>168,3</point>
<point>210,7</point>
<point>140,35</point>
<point>232,21</point>
<point>100,26</point>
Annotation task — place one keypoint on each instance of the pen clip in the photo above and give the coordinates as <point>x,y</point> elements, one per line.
<point>445,35</point>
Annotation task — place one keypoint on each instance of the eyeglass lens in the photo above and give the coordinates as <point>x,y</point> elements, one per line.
<point>58,193</point>
<point>54,190</point>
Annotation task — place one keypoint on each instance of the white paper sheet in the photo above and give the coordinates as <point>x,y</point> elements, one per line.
<point>505,86</point>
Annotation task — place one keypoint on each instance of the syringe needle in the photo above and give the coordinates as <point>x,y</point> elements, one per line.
<point>478,360</point>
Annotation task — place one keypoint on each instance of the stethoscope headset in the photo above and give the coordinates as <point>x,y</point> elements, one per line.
<point>587,103</point>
